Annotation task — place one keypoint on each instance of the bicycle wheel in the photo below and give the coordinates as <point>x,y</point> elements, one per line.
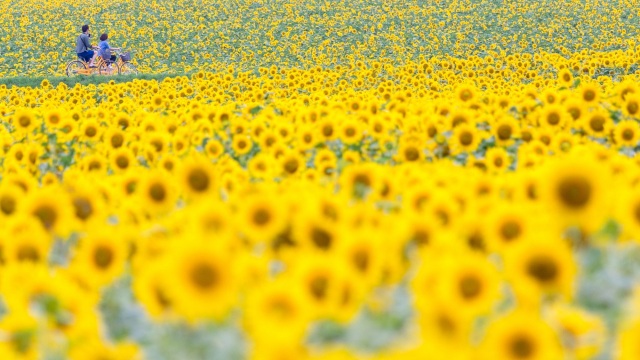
<point>108,69</point>
<point>127,68</point>
<point>76,67</point>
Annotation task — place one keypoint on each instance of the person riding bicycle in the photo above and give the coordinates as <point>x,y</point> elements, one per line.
<point>83,46</point>
<point>104,50</point>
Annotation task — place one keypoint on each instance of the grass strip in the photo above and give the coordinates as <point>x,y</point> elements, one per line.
<point>27,81</point>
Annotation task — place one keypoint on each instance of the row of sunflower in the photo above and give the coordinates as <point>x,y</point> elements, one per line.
<point>178,36</point>
<point>459,208</point>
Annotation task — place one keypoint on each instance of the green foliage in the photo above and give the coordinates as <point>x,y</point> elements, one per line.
<point>27,81</point>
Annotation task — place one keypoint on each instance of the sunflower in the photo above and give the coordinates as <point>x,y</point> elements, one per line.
<point>201,281</point>
<point>158,101</point>
<point>589,93</point>
<point>443,329</point>
<point>10,197</point>
<point>358,180</point>
<point>626,133</point>
<point>466,93</point>
<point>262,218</point>
<point>362,253</point>
<point>291,163</point>
<point>24,121</point>
<point>122,159</point>
<point>627,344</point>
<point>156,143</point>
<point>90,131</point>
<point>527,134</point>
<point>122,121</point>
<point>115,138</point>
<point>73,310</point>
<point>327,129</point>
<point>497,159</point>
<point>378,127</point>
<point>466,138</point>
<point>351,293</point>
<point>17,153</point>
<point>213,149</point>
<point>565,77</point>
<point>628,215</point>
<point>277,313</point>
<point>426,278</point>
<point>583,334</point>
<point>20,329</point>
<point>269,139</point>
<point>553,116</point>
<point>626,88</point>
<point>350,132</point>
<point>320,281</point>
<point>307,138</point>
<point>33,153</point>
<point>129,182</point>
<point>575,188</point>
<point>632,105</point>
<point>534,148</point>
<point>541,266</point>
<point>285,131</point>
<point>99,260</point>
<point>473,234</point>
<point>51,207</point>
<point>520,335</point>
<point>262,166</point>
<point>241,145</point>
<point>30,246</point>
<point>507,225</point>
<point>53,118</point>
<point>352,157</point>
<point>149,288</point>
<point>576,109</point>
<point>87,204</point>
<point>597,123</point>
<point>96,348</point>
<point>459,117</point>
<point>315,233</point>
<point>264,351</point>
<point>443,209</point>
<point>325,156</point>
<point>49,179</point>
<point>156,192</point>
<point>94,163</point>
<point>410,151</point>
<point>197,178</point>
<point>212,219</point>
<point>21,179</point>
<point>505,130</point>
<point>67,130</point>
<point>471,284</point>
<point>564,142</point>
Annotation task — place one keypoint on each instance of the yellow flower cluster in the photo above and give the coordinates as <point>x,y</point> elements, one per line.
<point>323,180</point>
<point>38,37</point>
<point>279,201</point>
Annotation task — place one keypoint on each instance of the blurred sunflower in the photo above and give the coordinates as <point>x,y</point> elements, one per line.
<point>520,335</point>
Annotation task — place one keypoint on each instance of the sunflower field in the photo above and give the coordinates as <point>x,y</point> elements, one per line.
<point>451,179</point>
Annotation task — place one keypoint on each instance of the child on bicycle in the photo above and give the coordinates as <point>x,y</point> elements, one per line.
<point>104,49</point>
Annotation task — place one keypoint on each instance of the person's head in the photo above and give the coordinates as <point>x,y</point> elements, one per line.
<point>85,28</point>
<point>104,37</point>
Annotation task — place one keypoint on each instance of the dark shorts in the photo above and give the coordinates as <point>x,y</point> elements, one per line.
<point>86,56</point>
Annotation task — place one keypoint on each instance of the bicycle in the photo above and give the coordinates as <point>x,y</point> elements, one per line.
<point>122,65</point>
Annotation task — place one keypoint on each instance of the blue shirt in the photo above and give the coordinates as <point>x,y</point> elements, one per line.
<point>104,50</point>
